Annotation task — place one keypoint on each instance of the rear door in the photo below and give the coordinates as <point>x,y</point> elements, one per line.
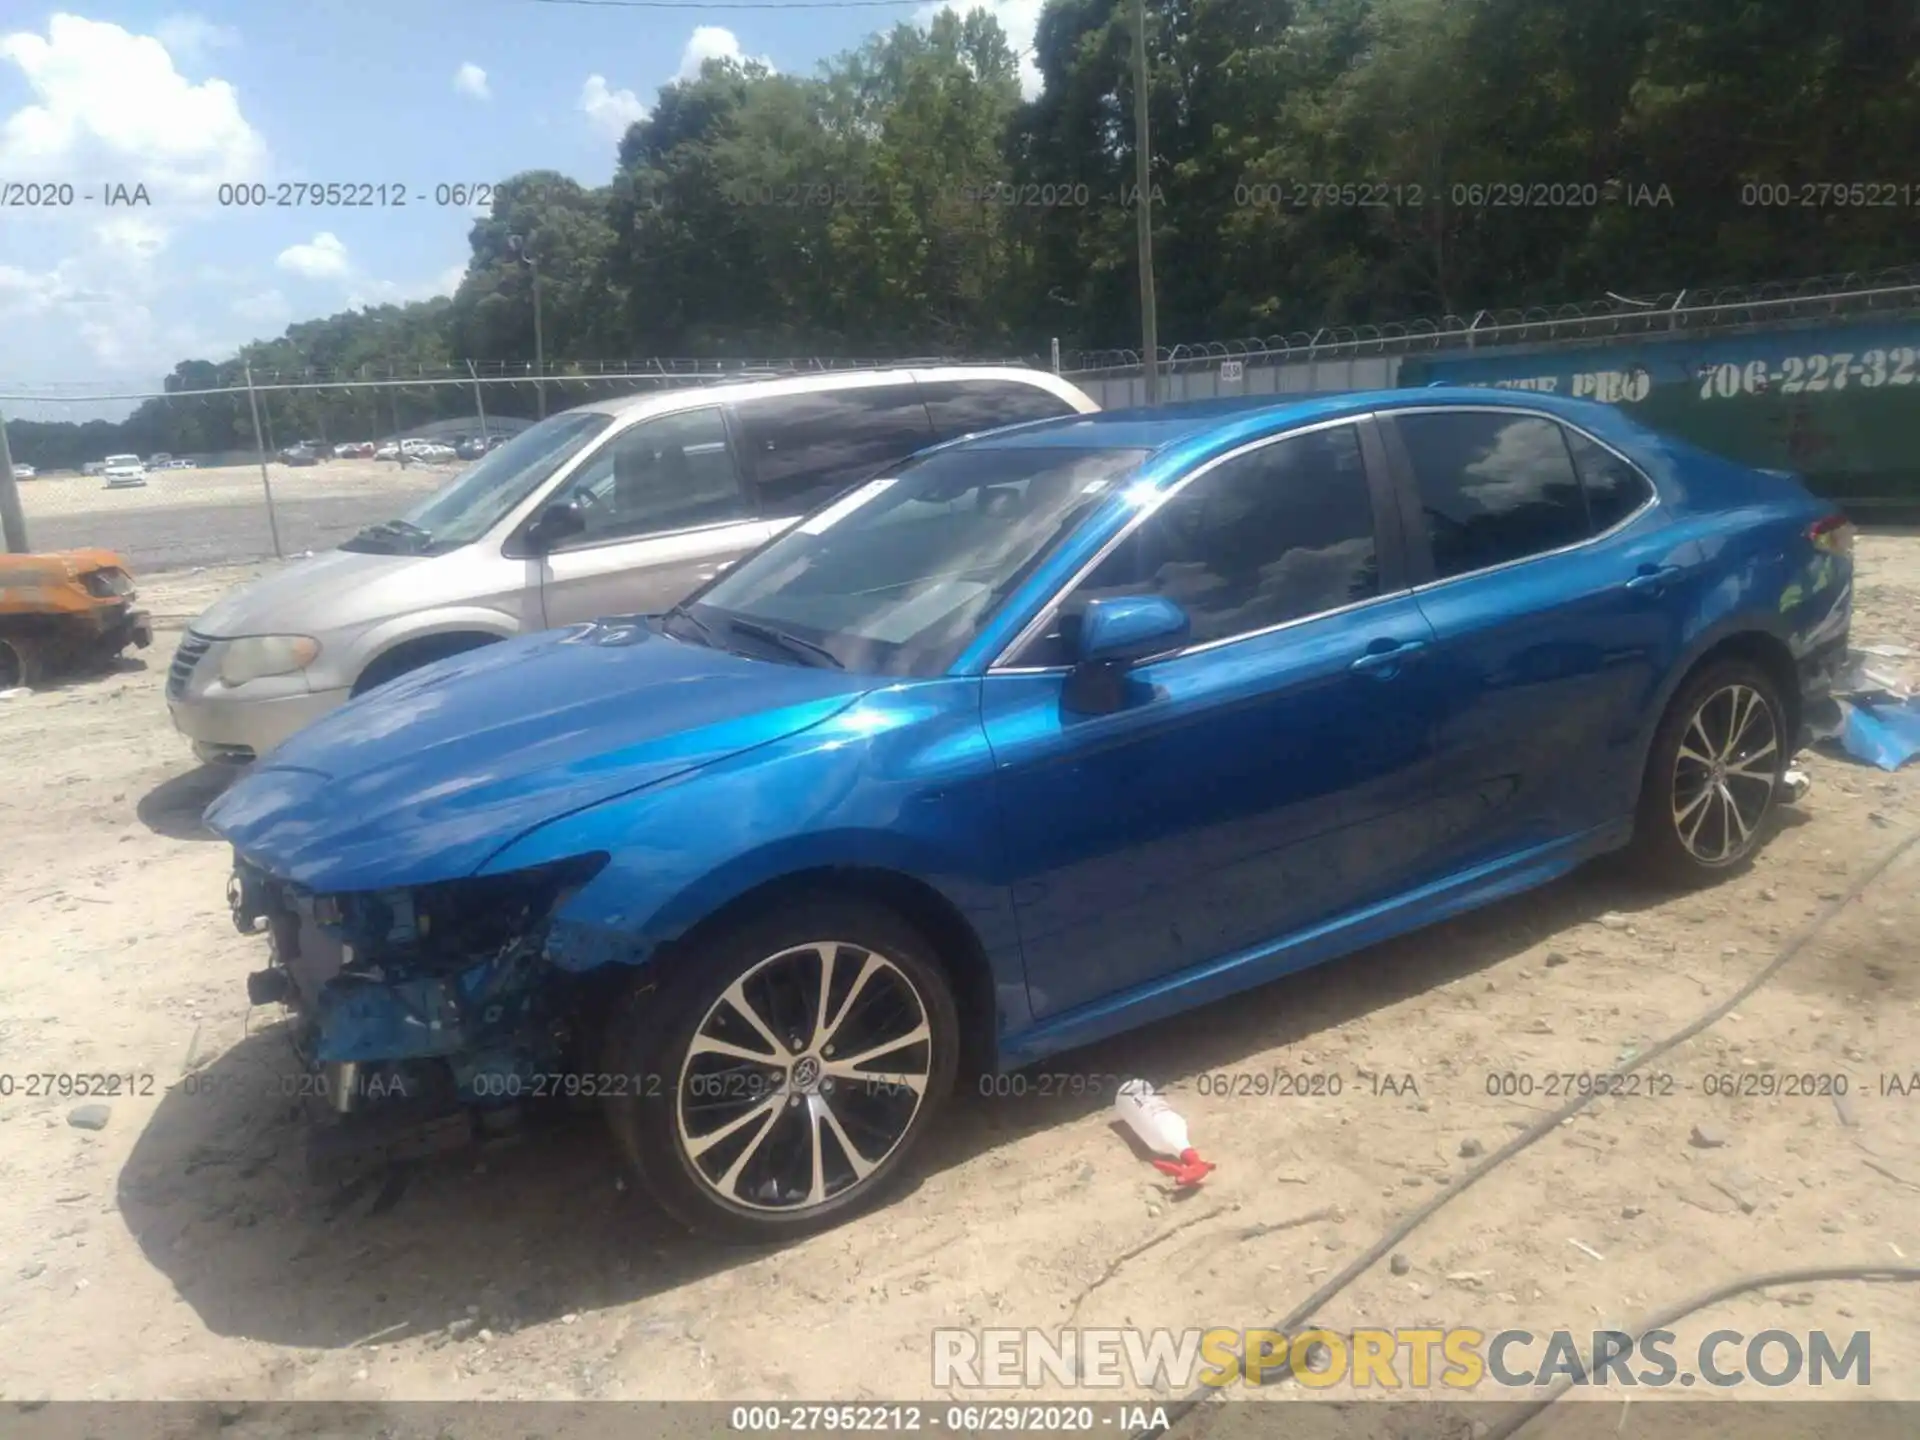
<point>1544,564</point>
<point>664,508</point>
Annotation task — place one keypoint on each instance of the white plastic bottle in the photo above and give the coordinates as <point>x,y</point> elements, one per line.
<point>1161,1130</point>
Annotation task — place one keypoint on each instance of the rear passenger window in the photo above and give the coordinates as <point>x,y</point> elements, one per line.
<point>804,448</point>
<point>1282,533</point>
<point>965,407</point>
<point>1493,488</point>
<point>1614,488</point>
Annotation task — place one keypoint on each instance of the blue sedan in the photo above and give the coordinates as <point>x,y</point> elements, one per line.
<point>1047,734</point>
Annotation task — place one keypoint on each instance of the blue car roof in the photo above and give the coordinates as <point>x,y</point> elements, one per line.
<point>1195,426</point>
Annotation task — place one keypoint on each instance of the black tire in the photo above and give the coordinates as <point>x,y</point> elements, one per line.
<point>1684,832</point>
<point>773,1106</point>
<point>403,659</point>
<point>23,661</point>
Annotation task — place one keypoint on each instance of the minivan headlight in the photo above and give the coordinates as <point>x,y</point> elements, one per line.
<point>255,657</point>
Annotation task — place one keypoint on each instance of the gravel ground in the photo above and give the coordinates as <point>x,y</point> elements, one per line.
<point>179,1251</point>
<point>184,518</point>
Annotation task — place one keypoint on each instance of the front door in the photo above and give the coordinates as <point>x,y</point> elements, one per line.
<point>1262,780</point>
<point>664,512</point>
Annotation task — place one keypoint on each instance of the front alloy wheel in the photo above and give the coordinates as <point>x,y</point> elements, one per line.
<point>803,1077</point>
<point>1724,774</point>
<point>784,1068</point>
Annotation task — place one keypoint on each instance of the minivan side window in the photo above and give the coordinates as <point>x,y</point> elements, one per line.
<point>1281,533</point>
<point>674,472</point>
<point>804,448</point>
<point>1493,488</point>
<point>1614,488</point>
<point>966,407</point>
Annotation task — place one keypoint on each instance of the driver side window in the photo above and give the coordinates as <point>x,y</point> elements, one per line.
<point>673,473</point>
<point>1279,534</point>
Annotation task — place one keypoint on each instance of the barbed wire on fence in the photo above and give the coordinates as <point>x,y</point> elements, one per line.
<point>1717,308</point>
<point>1693,309</point>
<point>658,372</point>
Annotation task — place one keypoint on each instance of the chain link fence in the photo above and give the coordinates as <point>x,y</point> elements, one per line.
<point>238,501</point>
<point>294,491</point>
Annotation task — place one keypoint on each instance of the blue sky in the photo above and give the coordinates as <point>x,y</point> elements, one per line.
<point>96,298</point>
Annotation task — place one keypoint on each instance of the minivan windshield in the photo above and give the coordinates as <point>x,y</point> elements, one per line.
<point>487,491</point>
<point>896,576</point>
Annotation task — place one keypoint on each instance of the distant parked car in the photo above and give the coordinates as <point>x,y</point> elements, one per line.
<point>159,460</point>
<point>434,452</point>
<point>94,467</point>
<point>354,450</point>
<point>183,465</point>
<point>24,472</point>
<point>301,454</point>
<point>387,450</point>
<point>124,472</point>
<point>474,446</point>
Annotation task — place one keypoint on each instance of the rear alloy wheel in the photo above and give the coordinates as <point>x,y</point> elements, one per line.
<point>1715,772</point>
<point>792,1078</point>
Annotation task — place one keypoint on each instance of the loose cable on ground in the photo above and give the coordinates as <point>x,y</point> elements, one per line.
<point>1180,1409</point>
<point>1883,1274</point>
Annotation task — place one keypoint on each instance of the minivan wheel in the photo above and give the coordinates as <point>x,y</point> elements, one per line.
<point>783,1074</point>
<point>1714,773</point>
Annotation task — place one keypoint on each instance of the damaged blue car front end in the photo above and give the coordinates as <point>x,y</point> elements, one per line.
<point>429,980</point>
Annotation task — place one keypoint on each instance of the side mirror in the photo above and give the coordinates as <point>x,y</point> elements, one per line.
<point>557,523</point>
<point>1128,629</point>
<point>1115,635</point>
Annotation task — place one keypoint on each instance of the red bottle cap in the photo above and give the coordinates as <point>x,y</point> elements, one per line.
<point>1189,1169</point>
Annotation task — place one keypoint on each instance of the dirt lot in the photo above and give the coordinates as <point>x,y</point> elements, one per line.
<point>218,516</point>
<point>179,1251</point>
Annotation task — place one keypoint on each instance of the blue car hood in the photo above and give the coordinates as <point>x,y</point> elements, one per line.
<point>426,777</point>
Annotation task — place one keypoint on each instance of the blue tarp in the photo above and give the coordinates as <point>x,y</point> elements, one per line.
<point>1881,731</point>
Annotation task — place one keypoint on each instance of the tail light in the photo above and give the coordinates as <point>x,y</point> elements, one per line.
<point>1832,536</point>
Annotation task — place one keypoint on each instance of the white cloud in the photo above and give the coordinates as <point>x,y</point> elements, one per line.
<point>267,307</point>
<point>109,103</point>
<point>610,110</point>
<point>713,42</point>
<point>322,258</point>
<point>394,292</point>
<point>470,79</point>
<point>1019,18</point>
<point>193,39</point>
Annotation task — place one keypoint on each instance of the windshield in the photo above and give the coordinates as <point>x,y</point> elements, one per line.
<point>484,494</point>
<point>897,576</point>
<point>123,460</point>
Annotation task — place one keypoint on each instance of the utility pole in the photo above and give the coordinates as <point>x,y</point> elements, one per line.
<point>479,404</point>
<point>518,245</point>
<point>13,520</point>
<point>1143,183</point>
<point>266,481</point>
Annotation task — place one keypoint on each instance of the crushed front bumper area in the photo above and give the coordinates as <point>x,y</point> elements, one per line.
<point>405,1048</point>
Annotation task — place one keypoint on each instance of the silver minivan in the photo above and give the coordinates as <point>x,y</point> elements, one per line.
<point>617,507</point>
